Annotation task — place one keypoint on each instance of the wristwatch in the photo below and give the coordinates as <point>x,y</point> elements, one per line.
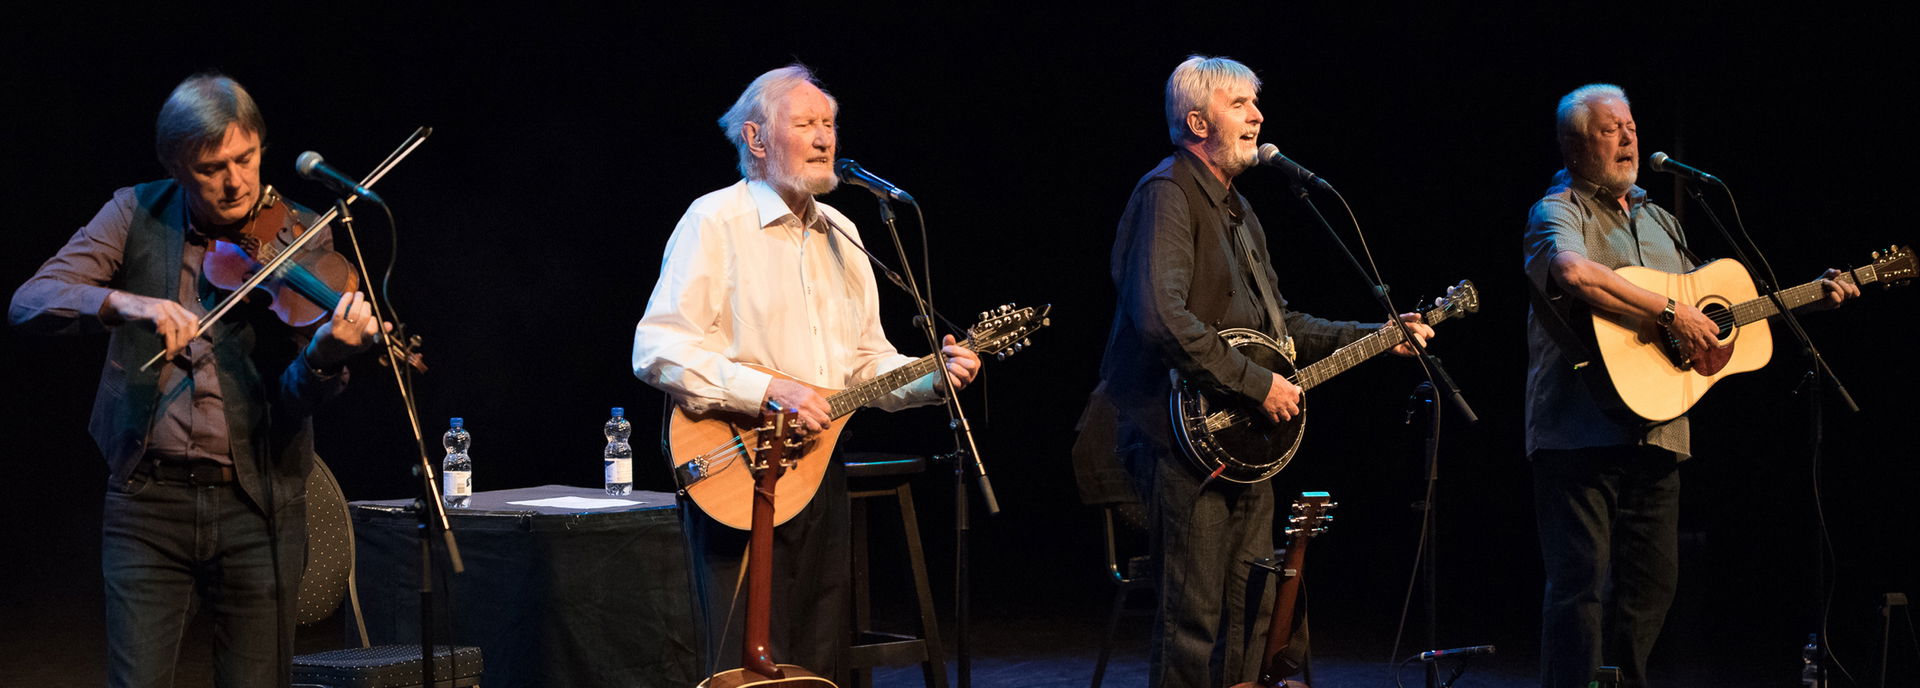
<point>1666,316</point>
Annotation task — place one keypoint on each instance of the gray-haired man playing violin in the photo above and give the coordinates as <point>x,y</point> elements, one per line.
<point>207,451</point>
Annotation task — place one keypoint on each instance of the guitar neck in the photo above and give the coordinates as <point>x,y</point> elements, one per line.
<point>1795,297</point>
<point>852,398</point>
<point>1353,354</point>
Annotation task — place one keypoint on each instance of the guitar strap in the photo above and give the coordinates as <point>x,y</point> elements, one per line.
<point>1253,265</point>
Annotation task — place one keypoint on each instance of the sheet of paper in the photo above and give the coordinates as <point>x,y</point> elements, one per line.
<point>578,502</point>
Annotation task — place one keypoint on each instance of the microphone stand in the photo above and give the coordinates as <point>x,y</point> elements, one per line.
<point>1762,276</point>
<point>1439,384</point>
<point>431,511</point>
<point>966,454</point>
<point>1819,370</point>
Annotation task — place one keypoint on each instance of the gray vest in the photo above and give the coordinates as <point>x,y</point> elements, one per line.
<point>268,457</point>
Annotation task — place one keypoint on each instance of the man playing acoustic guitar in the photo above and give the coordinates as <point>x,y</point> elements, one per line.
<point>1606,488</point>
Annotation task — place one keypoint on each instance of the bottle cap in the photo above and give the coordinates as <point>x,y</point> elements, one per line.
<point>619,411</point>
<point>459,422</point>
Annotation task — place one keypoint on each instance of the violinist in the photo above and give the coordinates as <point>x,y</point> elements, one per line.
<point>207,451</point>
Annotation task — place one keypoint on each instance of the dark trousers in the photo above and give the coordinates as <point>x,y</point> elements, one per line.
<point>1210,625</point>
<point>1609,536</point>
<point>812,582</point>
<point>169,549</point>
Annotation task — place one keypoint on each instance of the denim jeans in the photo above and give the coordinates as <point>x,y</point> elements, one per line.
<point>1609,536</point>
<point>1210,625</point>
<point>171,549</point>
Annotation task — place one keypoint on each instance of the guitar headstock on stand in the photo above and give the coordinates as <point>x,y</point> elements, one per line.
<point>775,440</point>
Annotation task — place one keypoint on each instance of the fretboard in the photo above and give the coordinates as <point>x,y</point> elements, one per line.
<point>852,398</point>
<point>1352,354</point>
<point>1795,297</point>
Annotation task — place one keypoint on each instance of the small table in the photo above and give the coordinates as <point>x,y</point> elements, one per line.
<point>553,596</point>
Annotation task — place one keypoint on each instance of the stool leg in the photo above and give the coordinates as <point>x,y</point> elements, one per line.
<point>1106,642</point>
<point>862,597</point>
<point>935,668</point>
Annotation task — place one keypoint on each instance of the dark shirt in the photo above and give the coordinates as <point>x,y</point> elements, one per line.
<point>1577,216</point>
<point>1181,279</point>
<point>65,297</point>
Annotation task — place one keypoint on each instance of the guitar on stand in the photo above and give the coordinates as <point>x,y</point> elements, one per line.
<point>1307,520</point>
<point>757,669</point>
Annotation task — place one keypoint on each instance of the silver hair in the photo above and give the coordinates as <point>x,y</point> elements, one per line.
<point>1570,119</point>
<point>196,115</point>
<point>1192,85</point>
<point>756,105</point>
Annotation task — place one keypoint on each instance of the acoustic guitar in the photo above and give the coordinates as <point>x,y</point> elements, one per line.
<point>757,669</point>
<point>710,450</point>
<point>1644,365</point>
<point>1307,520</point>
<point>1229,435</point>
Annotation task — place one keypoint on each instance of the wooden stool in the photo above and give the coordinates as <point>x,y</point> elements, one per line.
<point>874,475</point>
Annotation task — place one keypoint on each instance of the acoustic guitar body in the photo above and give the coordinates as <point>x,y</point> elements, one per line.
<point>796,677</point>
<point>1643,365</point>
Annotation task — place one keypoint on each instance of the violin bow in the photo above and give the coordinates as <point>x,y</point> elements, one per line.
<point>272,266</point>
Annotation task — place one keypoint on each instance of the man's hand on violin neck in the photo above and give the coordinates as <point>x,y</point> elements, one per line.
<point>351,330</point>
<point>170,320</point>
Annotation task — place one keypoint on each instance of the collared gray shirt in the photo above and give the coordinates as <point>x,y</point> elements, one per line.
<point>1578,216</point>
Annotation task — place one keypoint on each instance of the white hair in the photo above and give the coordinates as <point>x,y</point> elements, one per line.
<point>1191,87</point>
<point>1570,119</point>
<point>756,104</point>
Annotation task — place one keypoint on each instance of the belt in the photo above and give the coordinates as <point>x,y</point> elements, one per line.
<point>189,472</point>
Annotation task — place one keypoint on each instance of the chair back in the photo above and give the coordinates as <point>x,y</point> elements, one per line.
<point>329,548</point>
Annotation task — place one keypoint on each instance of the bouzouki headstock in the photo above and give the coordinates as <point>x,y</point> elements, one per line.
<point>1003,331</point>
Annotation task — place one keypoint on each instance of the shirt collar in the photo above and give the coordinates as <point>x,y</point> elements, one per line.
<point>1589,190</point>
<point>773,208</point>
<point>1216,191</point>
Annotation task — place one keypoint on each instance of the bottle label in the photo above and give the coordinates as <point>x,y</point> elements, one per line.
<point>457,483</point>
<point>619,471</point>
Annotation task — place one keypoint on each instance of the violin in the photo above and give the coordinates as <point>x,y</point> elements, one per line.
<point>306,288</point>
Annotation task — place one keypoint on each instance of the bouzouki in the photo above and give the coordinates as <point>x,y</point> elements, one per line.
<point>1225,434</point>
<point>757,669</point>
<point>710,449</point>
<point>1308,519</point>
<point>1655,381</point>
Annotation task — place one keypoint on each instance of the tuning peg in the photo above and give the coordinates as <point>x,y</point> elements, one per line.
<point>1006,308</point>
<point>983,316</point>
<point>1001,356</point>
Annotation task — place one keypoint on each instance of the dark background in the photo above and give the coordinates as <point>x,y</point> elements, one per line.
<point>567,143</point>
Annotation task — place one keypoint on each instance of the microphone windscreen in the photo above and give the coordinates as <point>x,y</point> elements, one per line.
<point>1658,161</point>
<point>306,162</point>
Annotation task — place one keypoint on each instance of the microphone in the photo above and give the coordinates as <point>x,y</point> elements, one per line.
<point>1661,163</point>
<point>851,173</point>
<point>1431,655</point>
<point>312,166</point>
<point>1270,155</point>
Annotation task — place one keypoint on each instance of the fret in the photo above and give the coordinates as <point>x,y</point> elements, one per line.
<point>1359,351</point>
<point>857,396</point>
<point>1794,297</point>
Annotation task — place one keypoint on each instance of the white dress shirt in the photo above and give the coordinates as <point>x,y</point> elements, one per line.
<point>744,280</point>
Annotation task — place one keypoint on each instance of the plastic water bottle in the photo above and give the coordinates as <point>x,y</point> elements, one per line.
<point>1810,663</point>
<point>456,471</point>
<point>619,454</point>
